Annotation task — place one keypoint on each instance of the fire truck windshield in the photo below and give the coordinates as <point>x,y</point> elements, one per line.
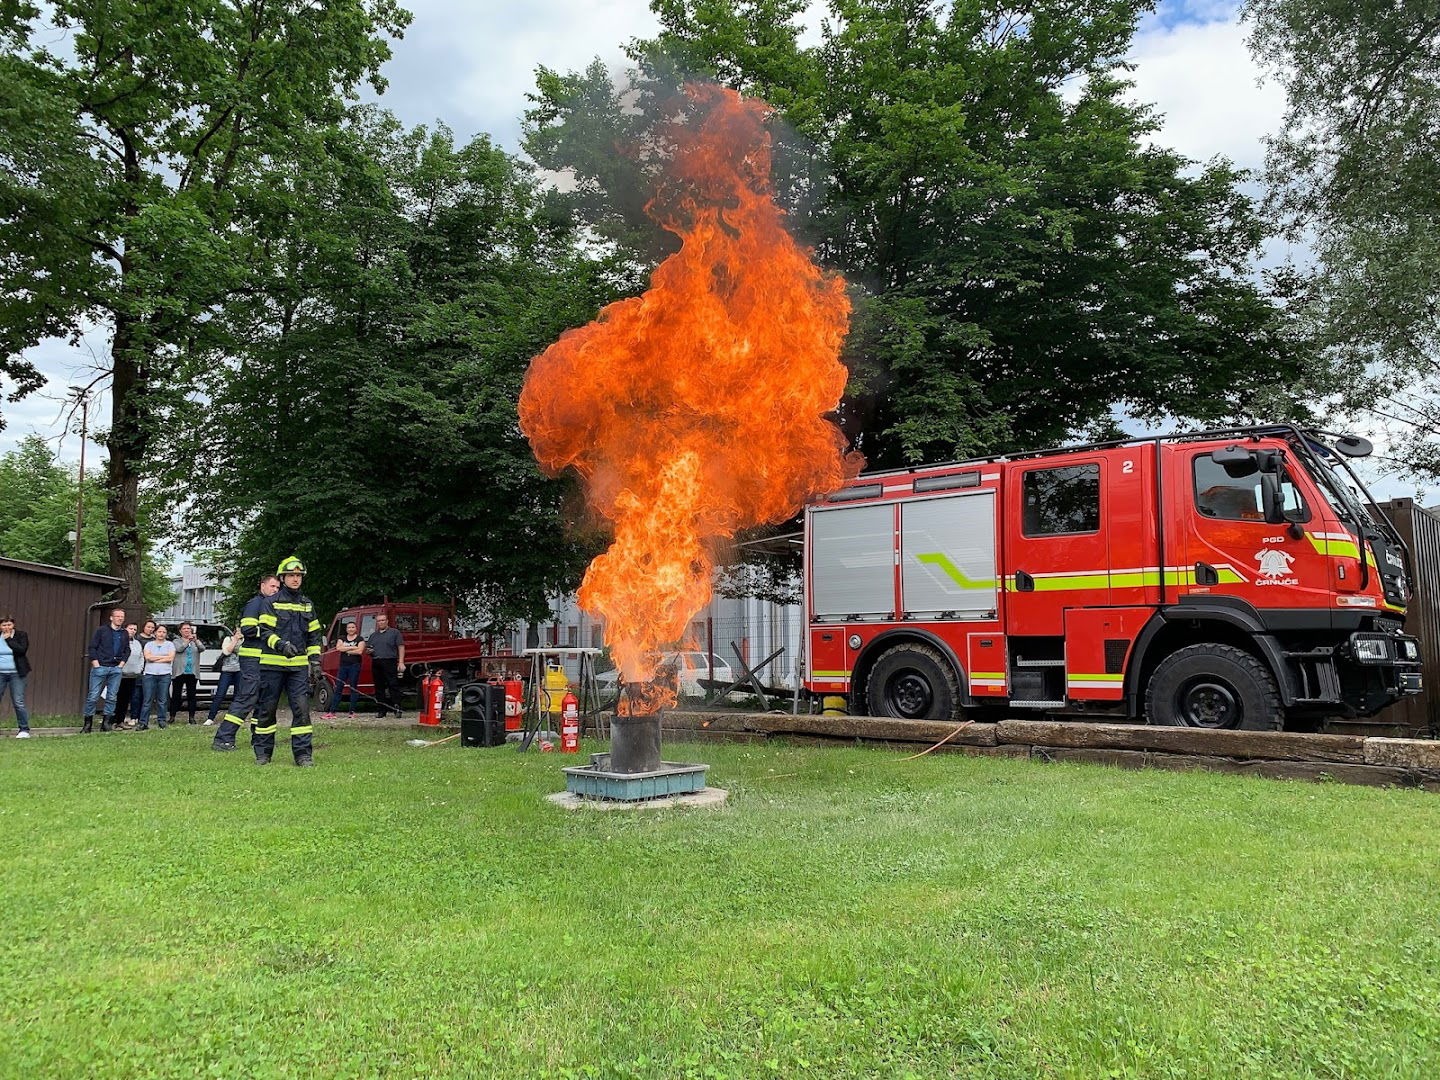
<point>1337,485</point>
<point>1352,502</point>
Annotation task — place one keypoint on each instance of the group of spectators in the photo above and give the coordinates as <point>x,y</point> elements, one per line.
<point>387,658</point>
<point>138,672</point>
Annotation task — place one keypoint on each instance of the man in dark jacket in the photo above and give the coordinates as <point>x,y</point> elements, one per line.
<point>14,667</point>
<point>290,645</point>
<point>109,649</point>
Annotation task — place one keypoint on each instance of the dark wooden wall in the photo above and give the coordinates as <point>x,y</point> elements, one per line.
<point>53,608</point>
<point>1420,713</point>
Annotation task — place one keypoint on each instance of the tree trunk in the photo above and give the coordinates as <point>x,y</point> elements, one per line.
<point>127,443</point>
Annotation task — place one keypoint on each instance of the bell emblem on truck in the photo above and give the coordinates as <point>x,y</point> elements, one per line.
<point>1275,565</point>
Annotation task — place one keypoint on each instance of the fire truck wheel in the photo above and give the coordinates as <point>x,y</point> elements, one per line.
<point>1213,686</point>
<point>913,682</point>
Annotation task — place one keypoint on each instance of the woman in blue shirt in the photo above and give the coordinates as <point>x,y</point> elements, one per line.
<point>14,668</point>
<point>159,658</point>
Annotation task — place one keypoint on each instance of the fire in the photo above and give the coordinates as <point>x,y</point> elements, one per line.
<point>696,409</point>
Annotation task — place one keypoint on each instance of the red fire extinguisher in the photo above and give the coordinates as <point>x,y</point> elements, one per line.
<point>437,697</point>
<point>432,699</point>
<point>514,704</point>
<point>569,724</point>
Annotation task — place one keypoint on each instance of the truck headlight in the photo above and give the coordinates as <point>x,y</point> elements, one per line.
<point>1370,650</point>
<point>1409,649</point>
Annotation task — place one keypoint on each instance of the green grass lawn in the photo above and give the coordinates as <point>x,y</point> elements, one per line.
<point>404,912</point>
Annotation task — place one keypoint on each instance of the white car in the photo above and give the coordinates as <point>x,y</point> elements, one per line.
<point>691,666</point>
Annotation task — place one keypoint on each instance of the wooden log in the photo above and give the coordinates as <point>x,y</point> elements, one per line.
<point>1367,775</point>
<point>1271,745</point>
<point>887,728</point>
<point>1010,751</point>
<point>905,749</point>
<point>708,721</point>
<point>1403,753</point>
<point>708,735</point>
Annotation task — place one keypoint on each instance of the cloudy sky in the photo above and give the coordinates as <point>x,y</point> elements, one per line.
<point>470,65</point>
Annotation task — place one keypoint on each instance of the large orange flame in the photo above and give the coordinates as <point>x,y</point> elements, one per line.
<point>698,408</point>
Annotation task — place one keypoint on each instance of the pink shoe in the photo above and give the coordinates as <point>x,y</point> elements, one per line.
<point>328,716</point>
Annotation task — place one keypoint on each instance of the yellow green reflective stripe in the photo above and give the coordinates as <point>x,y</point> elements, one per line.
<point>249,651</point>
<point>1326,546</point>
<point>1123,579</point>
<point>282,606</point>
<point>267,620</point>
<point>831,674</point>
<point>313,650</point>
<point>1107,677</point>
<point>267,730</point>
<point>987,675</point>
<point>942,562</point>
<point>314,625</point>
<point>301,730</point>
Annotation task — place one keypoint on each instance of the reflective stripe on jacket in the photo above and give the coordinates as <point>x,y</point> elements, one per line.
<point>250,647</point>
<point>288,616</point>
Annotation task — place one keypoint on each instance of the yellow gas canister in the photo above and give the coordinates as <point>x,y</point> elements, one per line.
<point>833,705</point>
<point>557,685</point>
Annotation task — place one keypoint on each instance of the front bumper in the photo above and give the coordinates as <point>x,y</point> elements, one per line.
<point>1395,657</point>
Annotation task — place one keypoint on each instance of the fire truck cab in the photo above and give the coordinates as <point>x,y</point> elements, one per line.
<point>1233,579</point>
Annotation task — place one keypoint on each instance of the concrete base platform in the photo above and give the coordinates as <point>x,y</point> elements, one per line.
<point>705,797</point>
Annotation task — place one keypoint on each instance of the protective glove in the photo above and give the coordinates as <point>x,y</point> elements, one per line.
<point>288,649</point>
<point>314,663</point>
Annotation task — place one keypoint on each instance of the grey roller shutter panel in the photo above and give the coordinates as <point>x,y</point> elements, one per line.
<point>948,556</point>
<point>852,561</point>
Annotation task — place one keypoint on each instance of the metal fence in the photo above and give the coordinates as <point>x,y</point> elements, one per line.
<point>760,634</point>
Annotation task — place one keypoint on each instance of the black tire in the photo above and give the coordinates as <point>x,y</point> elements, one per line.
<point>913,682</point>
<point>1213,686</point>
<point>323,693</point>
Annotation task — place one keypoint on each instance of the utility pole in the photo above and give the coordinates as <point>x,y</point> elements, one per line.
<point>84,400</point>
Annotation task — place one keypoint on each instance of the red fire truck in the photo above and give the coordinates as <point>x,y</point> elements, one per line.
<point>1232,579</point>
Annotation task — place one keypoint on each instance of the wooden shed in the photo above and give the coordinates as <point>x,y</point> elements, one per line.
<point>1419,715</point>
<point>59,609</point>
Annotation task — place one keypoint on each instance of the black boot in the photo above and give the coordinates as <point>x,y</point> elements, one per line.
<point>304,761</point>
<point>261,758</point>
<point>105,724</point>
<point>87,728</point>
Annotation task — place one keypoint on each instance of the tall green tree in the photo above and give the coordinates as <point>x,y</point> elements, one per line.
<point>132,167</point>
<point>363,412</point>
<point>1024,260</point>
<point>1355,177</point>
<point>38,498</point>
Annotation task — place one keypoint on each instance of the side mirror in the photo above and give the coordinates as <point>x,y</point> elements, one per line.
<point>1237,462</point>
<point>1272,498</point>
<point>1231,455</point>
<point>1354,446</point>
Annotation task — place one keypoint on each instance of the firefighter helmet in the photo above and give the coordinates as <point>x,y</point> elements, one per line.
<point>292,565</point>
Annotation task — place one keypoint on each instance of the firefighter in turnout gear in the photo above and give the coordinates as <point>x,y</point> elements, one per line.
<point>247,695</point>
<point>289,648</point>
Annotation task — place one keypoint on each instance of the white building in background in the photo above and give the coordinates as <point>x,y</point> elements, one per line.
<point>756,627</point>
<point>198,591</point>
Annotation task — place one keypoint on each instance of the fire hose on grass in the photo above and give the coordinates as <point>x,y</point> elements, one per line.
<point>320,673</point>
